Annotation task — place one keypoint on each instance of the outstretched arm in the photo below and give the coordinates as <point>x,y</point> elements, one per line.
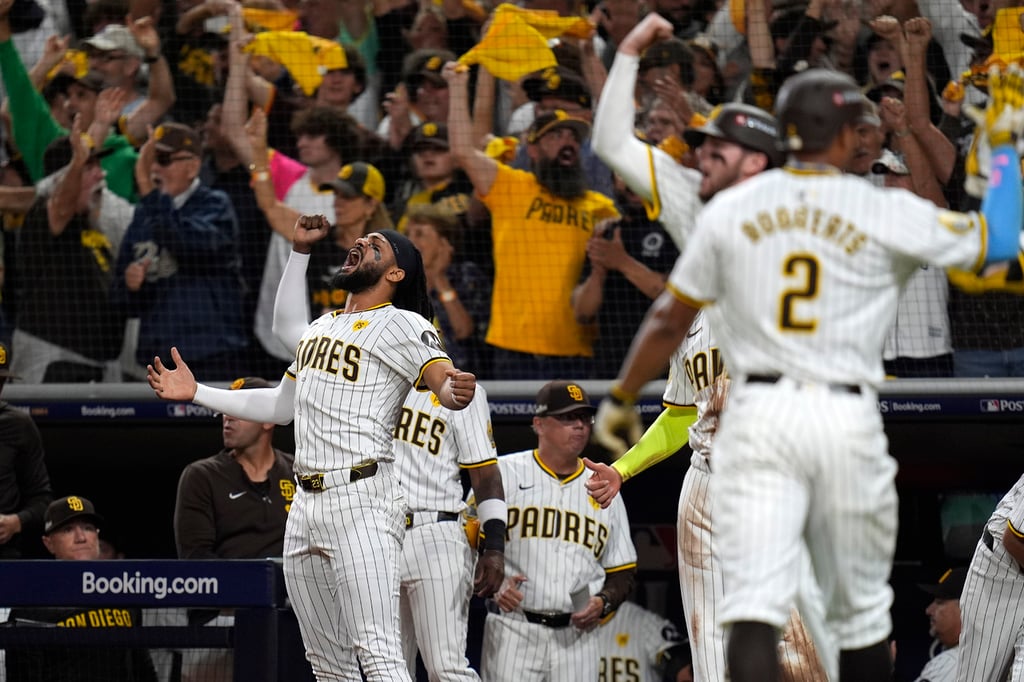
<point>613,137</point>
<point>273,405</point>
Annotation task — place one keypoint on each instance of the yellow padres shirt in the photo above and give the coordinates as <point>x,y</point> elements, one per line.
<point>540,245</point>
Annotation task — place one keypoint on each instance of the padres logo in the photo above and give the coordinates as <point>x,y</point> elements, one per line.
<point>429,129</point>
<point>345,173</point>
<point>3,355</point>
<point>433,64</point>
<point>551,78</point>
<point>575,392</point>
<point>75,504</point>
<point>434,400</point>
<point>360,324</point>
<point>622,638</point>
<point>159,132</point>
<point>237,384</point>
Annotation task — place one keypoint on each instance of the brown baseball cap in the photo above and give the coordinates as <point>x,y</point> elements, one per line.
<point>949,586</point>
<point>355,179</point>
<point>558,82</point>
<point>176,137</point>
<point>68,509</point>
<point>556,119</point>
<point>428,136</point>
<point>559,397</point>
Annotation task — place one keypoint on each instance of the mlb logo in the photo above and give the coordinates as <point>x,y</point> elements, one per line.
<point>176,410</point>
<point>990,405</point>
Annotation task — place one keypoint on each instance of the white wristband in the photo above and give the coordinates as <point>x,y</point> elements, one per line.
<point>492,508</point>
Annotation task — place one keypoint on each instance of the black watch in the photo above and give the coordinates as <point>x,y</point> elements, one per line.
<point>607,609</point>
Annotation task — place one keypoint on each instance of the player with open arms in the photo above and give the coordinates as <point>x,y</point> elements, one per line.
<point>352,371</point>
<point>736,143</point>
<point>432,444</point>
<point>805,271</point>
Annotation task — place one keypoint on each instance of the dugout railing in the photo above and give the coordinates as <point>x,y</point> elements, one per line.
<point>263,638</point>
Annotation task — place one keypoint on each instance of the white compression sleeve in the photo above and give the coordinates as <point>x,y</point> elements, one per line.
<point>289,304</point>
<point>267,405</point>
<point>613,137</point>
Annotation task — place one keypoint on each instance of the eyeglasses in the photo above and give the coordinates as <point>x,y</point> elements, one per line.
<point>572,417</point>
<point>107,56</point>
<point>167,158</point>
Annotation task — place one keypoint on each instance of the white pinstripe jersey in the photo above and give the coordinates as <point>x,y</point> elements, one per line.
<point>693,369</point>
<point>1010,509</point>
<point>942,668</point>
<point>807,269</point>
<point>352,373</point>
<point>558,537</point>
<point>632,644</point>
<point>674,190</point>
<point>432,443</point>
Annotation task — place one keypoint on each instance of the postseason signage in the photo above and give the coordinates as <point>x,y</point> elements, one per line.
<point>238,583</point>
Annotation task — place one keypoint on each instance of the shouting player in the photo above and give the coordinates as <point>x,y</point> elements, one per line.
<point>737,142</point>
<point>352,370</point>
<point>805,273</point>
<point>432,443</point>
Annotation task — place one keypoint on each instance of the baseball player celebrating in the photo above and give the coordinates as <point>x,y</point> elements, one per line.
<point>640,646</point>
<point>352,371</point>
<point>568,562</point>
<point>992,603</point>
<point>736,143</point>
<point>432,443</point>
<point>805,274</point>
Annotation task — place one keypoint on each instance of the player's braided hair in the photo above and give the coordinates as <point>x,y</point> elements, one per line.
<point>411,293</point>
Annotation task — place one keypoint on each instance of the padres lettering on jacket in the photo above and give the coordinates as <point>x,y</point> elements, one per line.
<point>831,227</point>
<point>704,368</point>
<point>552,212</point>
<point>330,355</point>
<point>566,525</point>
<point>99,618</point>
<point>619,669</point>
<point>420,429</point>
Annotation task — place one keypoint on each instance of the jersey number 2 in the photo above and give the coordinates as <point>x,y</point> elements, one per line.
<point>802,269</point>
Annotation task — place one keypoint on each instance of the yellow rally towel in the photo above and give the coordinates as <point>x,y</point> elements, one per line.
<point>75,57</point>
<point>306,57</point>
<point>517,41</point>
<point>270,19</point>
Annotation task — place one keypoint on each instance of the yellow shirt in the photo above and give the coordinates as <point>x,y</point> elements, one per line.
<point>540,245</point>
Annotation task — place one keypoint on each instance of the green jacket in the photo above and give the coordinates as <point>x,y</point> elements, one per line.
<point>34,128</point>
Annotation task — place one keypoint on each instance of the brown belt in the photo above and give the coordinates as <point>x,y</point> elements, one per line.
<point>551,620</point>
<point>322,481</point>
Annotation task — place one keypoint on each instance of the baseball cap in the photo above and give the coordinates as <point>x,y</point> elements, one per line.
<point>249,382</point>
<point>558,82</point>
<point>428,136</point>
<point>426,65</point>
<point>705,44</point>
<point>67,509</point>
<point>897,81</point>
<point>355,179</point>
<point>949,586</point>
<point>58,154</point>
<point>667,53</point>
<point>552,121</point>
<point>92,80</point>
<point>177,137</point>
<point>743,124</point>
<point>559,397</point>
<point>115,37</point>
<point>5,363</point>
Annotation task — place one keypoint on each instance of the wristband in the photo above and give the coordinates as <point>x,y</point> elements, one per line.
<point>620,397</point>
<point>150,60</point>
<point>447,296</point>
<point>260,176</point>
<point>492,536</point>
<point>492,508</point>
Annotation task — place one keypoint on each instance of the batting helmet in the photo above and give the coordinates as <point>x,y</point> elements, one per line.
<point>813,106</point>
<point>743,124</point>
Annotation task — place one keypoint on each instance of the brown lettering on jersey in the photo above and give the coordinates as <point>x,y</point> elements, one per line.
<point>554,212</point>
<point>414,427</point>
<point>831,227</point>
<point>324,353</point>
<point>619,669</point>
<point>704,368</point>
<point>554,523</point>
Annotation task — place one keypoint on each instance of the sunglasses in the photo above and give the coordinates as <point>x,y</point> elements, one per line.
<point>572,417</point>
<point>167,158</point>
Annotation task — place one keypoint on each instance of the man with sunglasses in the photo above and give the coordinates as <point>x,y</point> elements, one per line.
<point>568,563</point>
<point>178,269</point>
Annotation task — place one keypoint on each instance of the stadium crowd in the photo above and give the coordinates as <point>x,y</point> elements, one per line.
<point>156,155</point>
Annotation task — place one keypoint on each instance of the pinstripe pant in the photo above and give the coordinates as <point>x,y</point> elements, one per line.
<point>517,651</point>
<point>341,552</point>
<point>437,584</point>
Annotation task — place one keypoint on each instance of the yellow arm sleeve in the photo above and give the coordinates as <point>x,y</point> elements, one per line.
<point>669,432</point>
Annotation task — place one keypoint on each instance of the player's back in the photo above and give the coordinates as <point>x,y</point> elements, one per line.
<point>808,267</point>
